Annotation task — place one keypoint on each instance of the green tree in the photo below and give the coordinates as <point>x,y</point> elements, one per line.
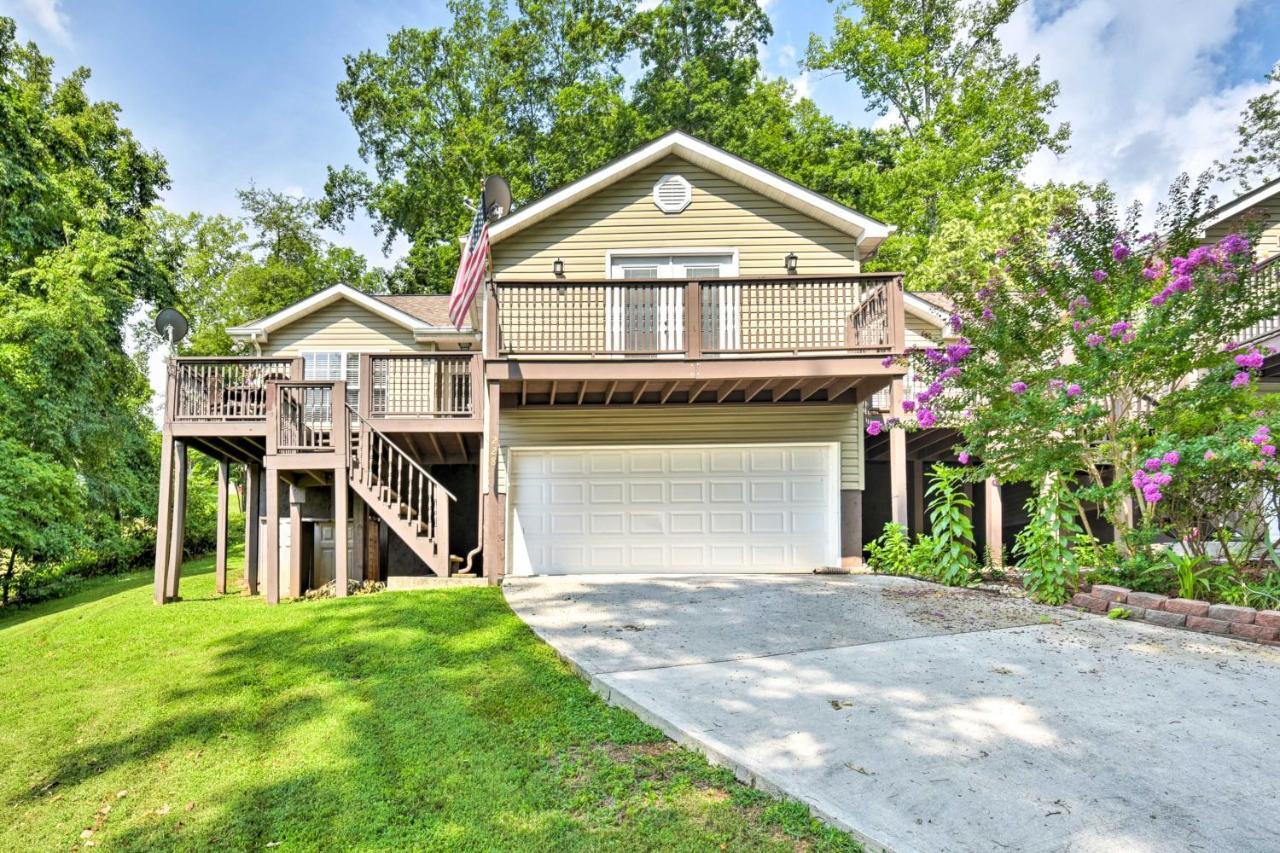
<point>231,271</point>
<point>77,255</point>
<point>964,117</point>
<point>528,90</point>
<point>1256,158</point>
<point>532,91</point>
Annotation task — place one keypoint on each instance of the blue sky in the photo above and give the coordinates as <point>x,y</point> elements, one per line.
<point>239,92</point>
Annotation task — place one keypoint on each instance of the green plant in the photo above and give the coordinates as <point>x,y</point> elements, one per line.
<point>1119,613</point>
<point>891,553</point>
<point>1196,577</point>
<point>954,560</point>
<point>921,563</point>
<point>1045,547</point>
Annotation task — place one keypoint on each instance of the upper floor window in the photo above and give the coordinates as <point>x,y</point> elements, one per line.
<point>335,365</point>
<point>693,265</point>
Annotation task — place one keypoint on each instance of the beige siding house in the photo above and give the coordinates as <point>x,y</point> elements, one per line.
<point>669,370</point>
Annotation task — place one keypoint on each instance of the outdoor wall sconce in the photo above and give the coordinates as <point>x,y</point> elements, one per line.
<point>791,261</point>
<point>557,268</point>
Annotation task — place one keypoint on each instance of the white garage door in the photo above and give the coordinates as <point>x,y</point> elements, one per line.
<point>771,508</point>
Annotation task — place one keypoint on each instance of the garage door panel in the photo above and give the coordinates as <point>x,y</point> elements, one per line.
<point>608,522</point>
<point>674,509</point>
<point>688,461</point>
<point>687,522</point>
<point>647,492</point>
<point>647,462</point>
<point>607,493</point>
<point>728,461</point>
<point>730,491</point>
<point>647,522</point>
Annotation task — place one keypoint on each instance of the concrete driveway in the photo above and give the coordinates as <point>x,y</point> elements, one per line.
<point>929,719</point>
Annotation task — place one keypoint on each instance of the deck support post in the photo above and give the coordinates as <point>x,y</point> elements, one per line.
<point>995,523</point>
<point>851,528</point>
<point>897,457</point>
<point>162,517</point>
<point>493,534</point>
<point>358,522</point>
<point>917,497</point>
<point>177,536</point>
<point>297,496</point>
<point>220,549</point>
<point>273,536</point>
<point>341,566</point>
<point>252,510</point>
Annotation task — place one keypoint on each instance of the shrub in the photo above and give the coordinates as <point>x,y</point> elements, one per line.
<point>954,561</point>
<point>891,553</point>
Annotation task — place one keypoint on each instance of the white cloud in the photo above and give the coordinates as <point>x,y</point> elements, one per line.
<point>1141,86</point>
<point>803,84</point>
<point>48,16</point>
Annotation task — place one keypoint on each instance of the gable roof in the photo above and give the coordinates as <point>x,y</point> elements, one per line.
<point>423,315</point>
<point>1240,204</point>
<point>867,231</point>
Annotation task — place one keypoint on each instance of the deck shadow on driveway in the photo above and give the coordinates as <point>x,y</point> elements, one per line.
<point>927,719</point>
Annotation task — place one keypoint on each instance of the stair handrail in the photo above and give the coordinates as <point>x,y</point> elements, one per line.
<point>407,458</point>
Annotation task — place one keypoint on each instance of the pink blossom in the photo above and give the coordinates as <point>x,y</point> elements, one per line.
<point>1073,390</point>
<point>1171,458</point>
<point>887,361</point>
<point>1018,387</point>
<point>1252,359</point>
<point>926,418</point>
<point>1240,380</point>
<point>1268,450</point>
<point>908,405</point>
<point>874,428</point>
<point>963,457</point>
<point>1153,464</point>
<point>1119,251</point>
<point>1094,340</point>
<point>1099,276</point>
<point>1209,456</point>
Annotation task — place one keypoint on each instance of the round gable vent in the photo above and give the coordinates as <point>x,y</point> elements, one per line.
<point>672,194</point>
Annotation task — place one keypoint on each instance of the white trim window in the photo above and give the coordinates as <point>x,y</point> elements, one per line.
<point>647,319</point>
<point>334,365</point>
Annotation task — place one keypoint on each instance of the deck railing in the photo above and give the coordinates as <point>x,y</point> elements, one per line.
<point>305,419</point>
<point>717,317</point>
<point>377,462</point>
<point>1262,287</point>
<point>225,389</point>
<point>422,386</point>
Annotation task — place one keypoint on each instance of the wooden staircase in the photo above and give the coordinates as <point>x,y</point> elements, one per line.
<point>411,502</point>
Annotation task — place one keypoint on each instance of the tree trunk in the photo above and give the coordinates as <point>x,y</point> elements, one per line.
<point>8,574</point>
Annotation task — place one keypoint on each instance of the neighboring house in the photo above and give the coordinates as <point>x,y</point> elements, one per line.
<point>667,373</point>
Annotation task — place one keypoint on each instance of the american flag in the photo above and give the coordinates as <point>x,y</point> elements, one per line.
<point>466,284</point>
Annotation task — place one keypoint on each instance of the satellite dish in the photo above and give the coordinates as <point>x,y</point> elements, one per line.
<point>171,325</point>
<point>497,197</point>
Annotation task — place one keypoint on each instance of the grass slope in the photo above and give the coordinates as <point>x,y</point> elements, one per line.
<point>425,720</point>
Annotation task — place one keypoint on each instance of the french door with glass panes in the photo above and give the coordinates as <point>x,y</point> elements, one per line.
<point>650,318</point>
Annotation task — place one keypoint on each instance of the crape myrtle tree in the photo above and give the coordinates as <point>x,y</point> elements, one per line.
<point>1105,361</point>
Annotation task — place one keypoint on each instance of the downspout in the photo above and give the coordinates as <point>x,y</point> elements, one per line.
<point>474,552</point>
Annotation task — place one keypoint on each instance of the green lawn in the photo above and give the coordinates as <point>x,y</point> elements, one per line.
<point>419,719</point>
